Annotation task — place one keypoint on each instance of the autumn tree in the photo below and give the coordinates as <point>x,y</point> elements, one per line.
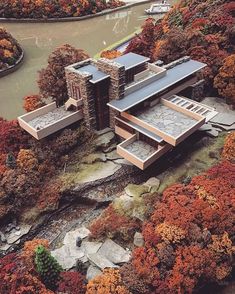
<point>109,282</point>
<point>225,79</point>
<point>110,54</point>
<point>33,102</point>
<point>229,147</point>
<point>52,81</point>
<point>27,160</point>
<point>143,43</point>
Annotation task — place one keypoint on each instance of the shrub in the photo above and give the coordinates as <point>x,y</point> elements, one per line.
<point>188,238</point>
<point>71,283</point>
<point>201,29</point>
<point>112,224</point>
<point>26,160</point>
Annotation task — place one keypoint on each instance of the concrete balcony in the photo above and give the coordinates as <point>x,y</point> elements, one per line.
<point>139,152</point>
<point>47,120</point>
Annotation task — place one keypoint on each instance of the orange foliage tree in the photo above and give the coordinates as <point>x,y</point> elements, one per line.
<point>32,102</point>
<point>27,160</point>
<point>109,282</point>
<point>229,147</point>
<point>188,239</point>
<point>28,252</point>
<point>110,54</point>
<point>225,79</point>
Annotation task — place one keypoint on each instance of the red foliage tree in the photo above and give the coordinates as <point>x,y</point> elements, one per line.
<point>113,224</point>
<point>72,283</point>
<point>51,81</point>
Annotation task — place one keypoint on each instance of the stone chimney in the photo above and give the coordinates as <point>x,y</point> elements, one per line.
<point>81,80</point>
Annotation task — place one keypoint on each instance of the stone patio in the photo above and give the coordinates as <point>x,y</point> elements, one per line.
<point>166,120</point>
<point>51,117</point>
<point>140,149</point>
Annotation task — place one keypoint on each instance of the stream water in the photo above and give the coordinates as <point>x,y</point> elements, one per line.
<point>40,39</point>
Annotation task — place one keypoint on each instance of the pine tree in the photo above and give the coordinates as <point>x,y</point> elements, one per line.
<point>47,267</point>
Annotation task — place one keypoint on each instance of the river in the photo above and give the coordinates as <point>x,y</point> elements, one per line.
<point>40,39</point>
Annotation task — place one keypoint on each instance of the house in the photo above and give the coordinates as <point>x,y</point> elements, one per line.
<point>138,99</point>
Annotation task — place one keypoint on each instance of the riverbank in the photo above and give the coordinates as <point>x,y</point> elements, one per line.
<point>129,4</point>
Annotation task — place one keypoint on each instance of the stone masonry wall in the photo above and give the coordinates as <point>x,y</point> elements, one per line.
<point>117,77</point>
<point>86,90</point>
<point>117,83</point>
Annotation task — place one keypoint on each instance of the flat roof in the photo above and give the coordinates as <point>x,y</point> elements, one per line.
<point>97,75</point>
<point>173,75</point>
<point>131,60</point>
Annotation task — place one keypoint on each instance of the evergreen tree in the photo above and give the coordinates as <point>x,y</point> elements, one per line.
<point>47,267</point>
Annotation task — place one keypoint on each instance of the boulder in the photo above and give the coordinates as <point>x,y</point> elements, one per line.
<point>123,162</point>
<point>205,127</point>
<point>16,235</point>
<point>2,237</point>
<point>94,157</point>
<point>213,133</point>
<point>92,272</point>
<point>71,237</point>
<point>113,155</point>
<point>153,184</point>
<point>136,190</point>
<point>96,171</point>
<point>104,140</point>
<point>226,119</point>
<point>90,247</point>
<point>67,258</point>
<point>125,202</point>
<point>138,240</point>
<point>114,252</point>
<point>110,148</point>
<point>100,261</point>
